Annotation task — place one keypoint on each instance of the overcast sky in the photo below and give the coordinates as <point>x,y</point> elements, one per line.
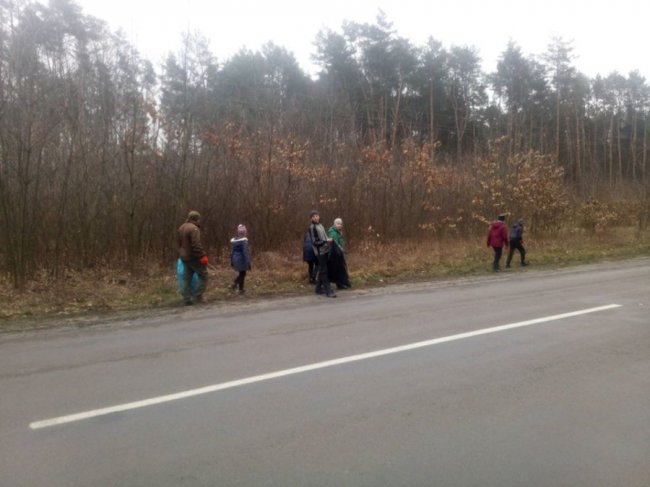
<point>607,35</point>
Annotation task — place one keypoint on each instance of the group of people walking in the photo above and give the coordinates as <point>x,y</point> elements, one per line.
<point>323,251</point>
<point>195,260</point>
<point>498,238</point>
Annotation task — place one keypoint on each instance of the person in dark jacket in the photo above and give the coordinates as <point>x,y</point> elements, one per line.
<point>517,242</point>
<point>337,265</point>
<point>309,256</point>
<point>497,238</point>
<point>240,258</point>
<point>321,243</point>
<point>195,260</point>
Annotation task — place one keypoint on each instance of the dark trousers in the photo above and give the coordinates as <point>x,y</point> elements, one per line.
<point>312,267</point>
<point>239,280</point>
<point>323,282</point>
<point>516,245</point>
<point>191,267</point>
<point>497,257</point>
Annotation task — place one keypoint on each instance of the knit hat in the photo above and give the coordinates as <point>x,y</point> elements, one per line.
<point>338,223</point>
<point>193,216</point>
<point>313,212</point>
<point>241,230</point>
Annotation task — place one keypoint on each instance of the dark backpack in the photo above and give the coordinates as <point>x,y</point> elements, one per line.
<point>307,249</point>
<point>515,232</point>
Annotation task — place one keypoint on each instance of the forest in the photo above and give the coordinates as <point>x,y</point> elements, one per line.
<point>102,153</point>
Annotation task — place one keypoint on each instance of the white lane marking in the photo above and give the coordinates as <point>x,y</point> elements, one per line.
<point>305,368</point>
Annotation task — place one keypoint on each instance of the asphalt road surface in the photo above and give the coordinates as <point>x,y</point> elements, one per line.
<point>526,378</point>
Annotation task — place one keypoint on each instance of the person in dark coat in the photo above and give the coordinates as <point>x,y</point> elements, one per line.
<point>195,260</point>
<point>497,238</point>
<point>337,265</point>
<point>321,243</point>
<point>309,257</point>
<point>517,242</point>
<point>240,258</point>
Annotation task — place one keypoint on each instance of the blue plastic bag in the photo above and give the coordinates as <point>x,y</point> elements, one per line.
<point>179,275</point>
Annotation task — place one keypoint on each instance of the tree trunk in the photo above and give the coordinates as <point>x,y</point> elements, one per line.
<point>618,151</point>
<point>633,142</point>
<point>432,138</point>
<point>578,153</point>
<point>610,142</point>
<point>645,151</point>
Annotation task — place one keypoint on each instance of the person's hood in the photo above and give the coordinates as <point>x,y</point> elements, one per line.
<point>335,229</point>
<point>497,223</point>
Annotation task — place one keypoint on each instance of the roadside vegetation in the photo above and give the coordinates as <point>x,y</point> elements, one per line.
<point>103,292</point>
<point>102,155</point>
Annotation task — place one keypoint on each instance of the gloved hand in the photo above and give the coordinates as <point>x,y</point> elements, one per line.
<point>204,260</point>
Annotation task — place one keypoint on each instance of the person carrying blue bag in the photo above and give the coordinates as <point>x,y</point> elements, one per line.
<point>193,257</point>
<point>179,276</point>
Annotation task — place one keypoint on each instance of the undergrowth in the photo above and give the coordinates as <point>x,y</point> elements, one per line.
<point>371,263</point>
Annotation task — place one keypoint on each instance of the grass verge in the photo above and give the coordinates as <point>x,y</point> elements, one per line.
<point>107,292</point>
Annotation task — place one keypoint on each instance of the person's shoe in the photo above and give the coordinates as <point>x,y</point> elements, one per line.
<point>507,266</point>
<point>242,292</point>
<point>523,264</point>
<point>188,303</point>
<point>319,290</point>
<point>199,300</point>
<point>331,294</point>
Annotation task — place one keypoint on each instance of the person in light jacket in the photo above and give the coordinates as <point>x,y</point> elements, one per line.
<point>240,258</point>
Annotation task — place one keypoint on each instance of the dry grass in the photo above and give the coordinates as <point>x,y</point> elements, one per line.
<point>371,263</point>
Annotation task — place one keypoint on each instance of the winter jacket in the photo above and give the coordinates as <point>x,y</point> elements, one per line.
<point>497,235</point>
<point>240,258</point>
<point>189,242</point>
<point>308,254</point>
<point>517,231</point>
<point>319,239</point>
<point>336,235</point>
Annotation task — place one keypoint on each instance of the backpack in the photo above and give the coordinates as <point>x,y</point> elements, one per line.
<point>515,232</point>
<point>307,249</point>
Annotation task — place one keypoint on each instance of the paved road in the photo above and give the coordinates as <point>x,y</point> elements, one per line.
<point>562,401</point>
